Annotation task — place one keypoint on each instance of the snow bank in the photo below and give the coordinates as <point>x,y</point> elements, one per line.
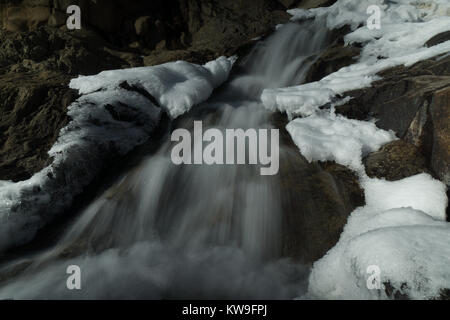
<point>177,86</point>
<point>402,232</point>
<point>406,25</point>
<point>108,120</point>
<point>329,137</point>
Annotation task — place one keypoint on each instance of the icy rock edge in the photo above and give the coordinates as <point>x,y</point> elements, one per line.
<point>117,111</point>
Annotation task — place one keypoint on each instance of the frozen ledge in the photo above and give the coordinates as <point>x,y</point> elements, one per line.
<point>118,110</point>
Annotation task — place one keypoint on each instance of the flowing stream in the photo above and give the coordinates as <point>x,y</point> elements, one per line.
<point>190,231</point>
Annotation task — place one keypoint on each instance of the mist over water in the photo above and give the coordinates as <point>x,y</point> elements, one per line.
<point>191,231</point>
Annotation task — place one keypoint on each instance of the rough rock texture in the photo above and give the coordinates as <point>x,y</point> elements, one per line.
<point>395,160</point>
<point>414,102</point>
<point>31,116</point>
<point>35,69</point>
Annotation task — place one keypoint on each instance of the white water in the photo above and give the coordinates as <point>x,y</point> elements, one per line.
<point>166,231</point>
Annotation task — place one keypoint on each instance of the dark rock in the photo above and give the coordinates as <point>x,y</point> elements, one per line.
<point>142,25</point>
<point>439,38</point>
<point>170,24</point>
<point>332,59</point>
<point>55,50</point>
<point>223,32</point>
<point>18,18</point>
<point>57,19</point>
<point>288,3</point>
<point>394,101</point>
<point>440,115</point>
<point>445,294</point>
<point>395,293</point>
<point>308,4</point>
<point>317,199</point>
<point>413,102</point>
<point>394,161</point>
<point>30,120</point>
<point>316,203</point>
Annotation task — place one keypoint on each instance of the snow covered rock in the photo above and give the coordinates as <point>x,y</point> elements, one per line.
<point>117,111</point>
<point>401,231</point>
<point>327,137</point>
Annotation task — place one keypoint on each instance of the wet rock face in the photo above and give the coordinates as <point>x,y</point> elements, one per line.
<point>317,199</point>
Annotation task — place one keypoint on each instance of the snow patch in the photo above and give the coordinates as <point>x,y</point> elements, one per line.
<point>330,137</point>
<point>177,86</point>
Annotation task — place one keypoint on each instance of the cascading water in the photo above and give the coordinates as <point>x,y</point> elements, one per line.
<point>189,231</point>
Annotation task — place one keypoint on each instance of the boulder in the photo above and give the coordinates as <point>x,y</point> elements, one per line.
<point>413,102</point>
<point>440,119</point>
<point>439,38</point>
<point>394,161</point>
<point>316,200</point>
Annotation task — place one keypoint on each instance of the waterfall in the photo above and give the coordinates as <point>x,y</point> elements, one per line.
<point>187,231</point>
